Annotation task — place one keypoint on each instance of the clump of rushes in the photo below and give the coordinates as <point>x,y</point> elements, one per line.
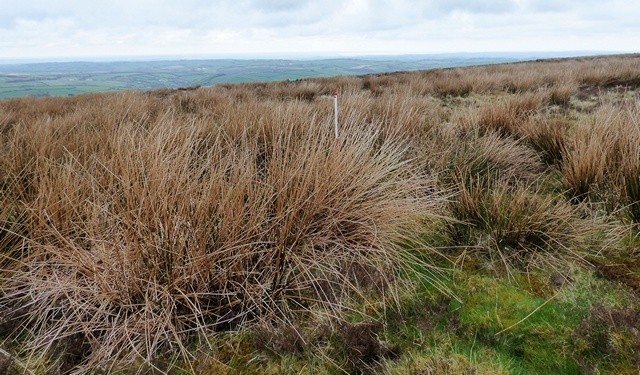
<point>584,166</point>
<point>560,93</point>
<point>300,90</point>
<point>631,183</point>
<point>490,156</point>
<point>453,82</point>
<point>603,157</point>
<point>12,227</point>
<point>507,116</point>
<point>626,164</point>
<point>515,227</point>
<point>549,136</point>
<point>165,228</point>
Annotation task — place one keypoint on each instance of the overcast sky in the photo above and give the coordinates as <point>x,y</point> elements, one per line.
<point>71,28</point>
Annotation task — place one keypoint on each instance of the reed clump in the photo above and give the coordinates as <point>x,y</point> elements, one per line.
<point>517,227</point>
<point>144,229</point>
<point>602,159</point>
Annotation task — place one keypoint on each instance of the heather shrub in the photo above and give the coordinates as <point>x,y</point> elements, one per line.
<point>609,333</point>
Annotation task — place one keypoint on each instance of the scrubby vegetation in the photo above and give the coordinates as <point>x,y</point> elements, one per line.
<point>470,220</point>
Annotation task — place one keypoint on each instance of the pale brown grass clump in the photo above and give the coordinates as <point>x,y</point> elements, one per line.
<point>560,93</point>
<point>507,116</point>
<point>517,227</point>
<point>488,156</point>
<point>145,230</point>
<point>548,134</point>
<point>584,166</point>
<point>603,158</point>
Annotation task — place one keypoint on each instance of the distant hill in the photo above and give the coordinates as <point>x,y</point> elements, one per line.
<point>70,78</point>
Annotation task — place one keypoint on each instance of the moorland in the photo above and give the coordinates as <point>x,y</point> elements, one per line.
<point>470,220</point>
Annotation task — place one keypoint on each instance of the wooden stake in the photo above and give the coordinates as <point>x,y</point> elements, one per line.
<point>335,110</point>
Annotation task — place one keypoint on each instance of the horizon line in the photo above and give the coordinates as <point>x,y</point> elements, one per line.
<point>299,56</point>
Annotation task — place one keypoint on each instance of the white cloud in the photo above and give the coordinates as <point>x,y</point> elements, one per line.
<point>121,27</point>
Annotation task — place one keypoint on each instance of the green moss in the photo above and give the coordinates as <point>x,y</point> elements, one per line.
<point>517,327</point>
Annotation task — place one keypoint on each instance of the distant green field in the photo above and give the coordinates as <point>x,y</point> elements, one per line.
<point>72,78</point>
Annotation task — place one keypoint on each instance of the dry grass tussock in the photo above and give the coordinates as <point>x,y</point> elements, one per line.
<point>507,117</point>
<point>548,135</point>
<point>516,227</point>
<point>142,229</point>
<point>602,161</point>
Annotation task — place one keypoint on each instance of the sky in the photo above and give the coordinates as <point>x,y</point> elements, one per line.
<point>118,28</point>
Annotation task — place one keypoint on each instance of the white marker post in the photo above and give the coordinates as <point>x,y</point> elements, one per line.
<point>335,110</point>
